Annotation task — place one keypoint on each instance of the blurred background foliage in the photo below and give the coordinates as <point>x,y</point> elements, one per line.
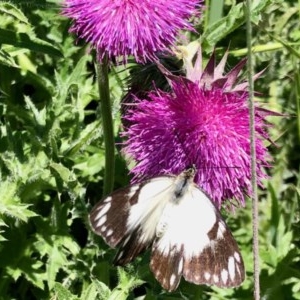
<point>52,157</point>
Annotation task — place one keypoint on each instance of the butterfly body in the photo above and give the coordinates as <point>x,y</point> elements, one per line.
<point>188,236</point>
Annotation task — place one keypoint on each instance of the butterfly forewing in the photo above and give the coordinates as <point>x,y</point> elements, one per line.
<point>109,217</point>
<point>128,217</point>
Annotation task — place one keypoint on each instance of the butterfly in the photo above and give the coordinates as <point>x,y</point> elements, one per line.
<point>185,230</point>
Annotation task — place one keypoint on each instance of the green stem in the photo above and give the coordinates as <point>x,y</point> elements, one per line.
<point>107,124</point>
<point>255,220</point>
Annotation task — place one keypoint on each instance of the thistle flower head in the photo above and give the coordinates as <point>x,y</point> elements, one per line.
<point>130,27</point>
<point>203,121</point>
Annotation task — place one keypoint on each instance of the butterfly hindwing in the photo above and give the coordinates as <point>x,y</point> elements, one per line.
<point>199,246</point>
<point>127,218</point>
<point>167,268</point>
<point>220,263</point>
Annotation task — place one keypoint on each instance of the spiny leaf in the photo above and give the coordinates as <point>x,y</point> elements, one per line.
<point>127,282</point>
<point>11,10</point>
<point>56,261</point>
<point>39,115</point>
<point>96,290</point>
<point>7,59</point>
<point>103,290</point>
<point>62,293</point>
<point>23,40</point>
<point>11,205</point>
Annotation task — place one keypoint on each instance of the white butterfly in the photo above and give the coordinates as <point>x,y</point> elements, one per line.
<point>186,231</point>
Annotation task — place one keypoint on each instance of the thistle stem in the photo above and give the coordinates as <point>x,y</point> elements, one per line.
<point>107,124</point>
<point>253,155</point>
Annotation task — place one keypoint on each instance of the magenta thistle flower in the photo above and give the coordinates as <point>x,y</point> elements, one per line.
<point>130,27</point>
<point>202,122</point>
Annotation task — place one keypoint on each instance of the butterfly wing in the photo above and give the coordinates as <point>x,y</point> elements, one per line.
<point>197,244</point>
<point>127,218</point>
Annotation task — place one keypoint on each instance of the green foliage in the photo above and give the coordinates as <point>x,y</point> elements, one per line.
<point>52,157</point>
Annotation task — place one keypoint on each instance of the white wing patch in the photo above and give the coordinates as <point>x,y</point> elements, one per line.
<point>104,209</point>
<point>132,191</point>
<point>207,276</point>
<point>237,257</point>
<point>224,275</point>
<point>221,230</point>
<point>147,212</point>
<point>188,223</point>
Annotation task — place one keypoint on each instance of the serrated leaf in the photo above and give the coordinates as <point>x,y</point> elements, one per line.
<point>31,269</point>
<point>62,293</point>
<point>103,290</point>
<point>18,211</point>
<point>91,132</point>
<point>56,261</point>
<point>71,245</point>
<point>10,204</point>
<point>11,10</point>
<point>64,173</point>
<point>23,40</point>
<point>72,80</point>
<point>285,244</point>
<point>127,282</point>
<point>224,26</point>
<point>39,115</point>
<point>234,19</point>
<point>92,293</point>
<point>256,8</point>
<point>92,165</point>
<point>7,60</point>
<point>269,256</point>
<point>2,224</point>
<point>34,274</point>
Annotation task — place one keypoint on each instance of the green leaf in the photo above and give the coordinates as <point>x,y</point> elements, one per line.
<point>285,244</point>
<point>269,256</point>
<point>2,224</point>
<point>275,214</point>
<point>73,79</point>
<point>233,20</point>
<point>18,211</point>
<point>39,115</point>
<point>224,26</point>
<point>30,268</point>
<point>288,46</point>
<point>103,290</point>
<point>96,290</point>
<point>258,6</point>
<point>10,204</point>
<point>56,261</point>
<point>11,10</point>
<point>89,133</point>
<point>127,282</point>
<point>7,60</point>
<point>23,40</point>
<point>92,165</point>
<point>62,293</point>
<point>62,171</point>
